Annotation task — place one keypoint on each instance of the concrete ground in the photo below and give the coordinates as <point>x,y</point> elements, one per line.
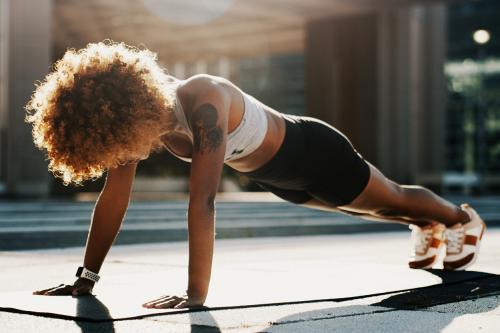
<point>332,283</point>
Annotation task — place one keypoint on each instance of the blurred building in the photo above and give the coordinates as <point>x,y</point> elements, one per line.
<point>375,69</point>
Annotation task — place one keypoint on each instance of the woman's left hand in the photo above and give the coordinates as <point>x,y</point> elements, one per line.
<point>172,302</point>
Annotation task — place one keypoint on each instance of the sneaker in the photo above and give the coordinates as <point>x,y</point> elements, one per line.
<point>427,243</point>
<point>463,241</point>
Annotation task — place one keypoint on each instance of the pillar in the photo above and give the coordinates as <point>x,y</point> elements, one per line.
<point>27,60</point>
<point>340,57</point>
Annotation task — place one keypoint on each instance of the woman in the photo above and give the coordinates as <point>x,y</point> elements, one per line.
<point>107,106</point>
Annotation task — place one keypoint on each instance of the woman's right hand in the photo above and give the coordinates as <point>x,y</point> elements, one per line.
<point>79,288</point>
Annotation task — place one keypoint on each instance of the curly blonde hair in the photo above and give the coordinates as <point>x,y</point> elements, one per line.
<point>100,107</point>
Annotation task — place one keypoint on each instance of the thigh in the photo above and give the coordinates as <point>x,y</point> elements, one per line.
<point>294,196</point>
<point>338,172</point>
<point>380,194</point>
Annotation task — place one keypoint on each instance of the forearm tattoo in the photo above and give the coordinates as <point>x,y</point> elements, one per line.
<point>207,135</point>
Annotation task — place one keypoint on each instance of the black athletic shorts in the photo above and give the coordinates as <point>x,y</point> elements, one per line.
<point>315,161</point>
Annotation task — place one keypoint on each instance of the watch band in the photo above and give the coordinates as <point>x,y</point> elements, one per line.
<point>82,272</point>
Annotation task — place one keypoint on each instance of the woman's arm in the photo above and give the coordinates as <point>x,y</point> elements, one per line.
<point>107,217</point>
<point>208,120</point>
<point>108,214</point>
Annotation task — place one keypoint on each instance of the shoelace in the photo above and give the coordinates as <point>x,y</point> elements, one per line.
<point>421,238</point>
<point>454,238</point>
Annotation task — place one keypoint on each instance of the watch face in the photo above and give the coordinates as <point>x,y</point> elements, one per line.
<point>79,271</point>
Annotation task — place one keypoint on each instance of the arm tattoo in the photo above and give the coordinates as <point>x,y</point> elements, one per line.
<point>207,135</point>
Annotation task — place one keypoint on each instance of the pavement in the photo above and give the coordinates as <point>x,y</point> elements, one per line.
<point>345,282</point>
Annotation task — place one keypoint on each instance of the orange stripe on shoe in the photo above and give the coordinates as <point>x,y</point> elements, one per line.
<point>422,263</point>
<point>470,240</point>
<point>435,243</point>
<point>459,263</point>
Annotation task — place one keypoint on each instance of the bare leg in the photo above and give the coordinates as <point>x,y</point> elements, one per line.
<point>383,199</point>
<point>316,204</point>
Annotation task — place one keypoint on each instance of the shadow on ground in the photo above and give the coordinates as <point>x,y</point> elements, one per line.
<point>455,287</point>
<point>211,327</point>
<point>88,307</point>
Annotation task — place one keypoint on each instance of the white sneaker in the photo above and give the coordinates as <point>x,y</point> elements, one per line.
<point>463,241</point>
<point>427,243</point>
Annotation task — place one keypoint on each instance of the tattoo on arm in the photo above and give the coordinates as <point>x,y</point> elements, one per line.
<point>207,134</point>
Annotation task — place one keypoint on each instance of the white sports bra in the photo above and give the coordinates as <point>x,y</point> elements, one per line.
<point>244,139</point>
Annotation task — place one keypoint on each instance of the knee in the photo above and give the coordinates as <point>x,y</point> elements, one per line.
<point>396,206</point>
<point>401,204</point>
<point>388,212</point>
<point>412,190</point>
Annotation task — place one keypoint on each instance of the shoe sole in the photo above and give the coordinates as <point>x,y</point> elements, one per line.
<point>423,264</point>
<point>427,262</point>
<point>468,260</point>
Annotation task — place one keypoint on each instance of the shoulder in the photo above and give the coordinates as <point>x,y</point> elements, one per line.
<point>201,85</point>
<point>204,88</point>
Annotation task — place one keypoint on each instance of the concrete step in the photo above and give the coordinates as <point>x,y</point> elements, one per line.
<point>57,224</point>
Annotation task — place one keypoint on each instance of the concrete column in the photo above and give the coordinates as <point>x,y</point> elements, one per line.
<point>412,93</point>
<point>28,60</point>
<point>394,130</point>
<point>4,91</point>
<point>340,57</point>
<point>433,127</point>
